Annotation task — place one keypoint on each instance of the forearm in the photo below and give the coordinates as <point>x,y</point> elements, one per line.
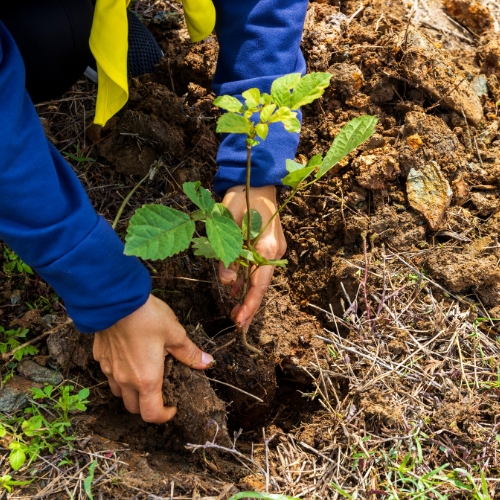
<point>259,42</point>
<point>46,217</point>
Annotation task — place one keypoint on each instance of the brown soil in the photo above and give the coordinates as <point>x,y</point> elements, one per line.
<point>357,246</point>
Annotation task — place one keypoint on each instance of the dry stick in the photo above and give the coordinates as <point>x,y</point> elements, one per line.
<point>127,198</point>
<point>6,356</point>
<point>235,388</point>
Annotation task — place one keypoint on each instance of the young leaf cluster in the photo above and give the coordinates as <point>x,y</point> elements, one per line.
<point>13,263</point>
<point>34,432</point>
<point>288,94</point>
<point>12,339</point>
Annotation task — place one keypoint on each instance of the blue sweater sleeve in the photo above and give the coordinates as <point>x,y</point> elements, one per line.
<point>47,218</point>
<point>259,42</point>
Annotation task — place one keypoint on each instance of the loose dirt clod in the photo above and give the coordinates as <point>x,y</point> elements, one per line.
<point>429,192</point>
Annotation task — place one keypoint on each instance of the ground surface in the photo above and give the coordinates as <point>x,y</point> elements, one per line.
<point>380,337</point>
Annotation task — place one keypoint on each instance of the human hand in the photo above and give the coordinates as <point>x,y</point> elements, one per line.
<point>132,354</point>
<point>271,245</point>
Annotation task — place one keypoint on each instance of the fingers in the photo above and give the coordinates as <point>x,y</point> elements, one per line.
<point>259,283</point>
<point>227,276</point>
<point>152,409</point>
<point>190,354</point>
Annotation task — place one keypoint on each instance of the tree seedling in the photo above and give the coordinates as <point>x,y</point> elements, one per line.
<point>157,232</point>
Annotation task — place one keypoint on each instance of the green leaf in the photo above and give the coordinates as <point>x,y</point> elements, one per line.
<point>17,458</point>
<point>315,161</point>
<point>200,196</point>
<point>278,263</point>
<point>229,103</point>
<point>281,114</point>
<point>246,254</point>
<point>280,89</point>
<point>224,236</point>
<point>87,482</point>
<point>294,178</point>
<point>48,390</point>
<point>231,123</point>
<point>252,98</point>
<point>349,138</point>
<point>203,248</point>
<point>256,221</point>
<point>262,130</point>
<point>309,88</point>
<point>266,112</point>
<point>252,142</point>
<point>292,125</point>
<point>262,496</point>
<point>84,393</point>
<point>156,232</point>
<point>292,165</point>
<point>265,99</point>
<point>3,431</point>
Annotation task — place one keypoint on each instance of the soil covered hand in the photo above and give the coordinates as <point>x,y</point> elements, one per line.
<point>271,245</point>
<point>132,354</point>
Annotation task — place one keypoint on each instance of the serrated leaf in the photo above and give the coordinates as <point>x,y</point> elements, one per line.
<point>309,88</point>
<point>294,178</point>
<point>221,209</point>
<point>292,125</point>
<point>17,459</point>
<point>231,123</point>
<point>157,232</point>
<point>280,89</point>
<point>229,103</point>
<point>252,98</point>
<point>266,112</point>
<point>200,196</point>
<point>349,138</point>
<point>315,161</point>
<point>246,254</point>
<point>256,222</point>
<point>203,248</point>
<point>292,165</point>
<point>225,237</point>
<point>262,130</point>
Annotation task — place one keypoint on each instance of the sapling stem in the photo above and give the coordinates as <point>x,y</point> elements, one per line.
<point>248,243</point>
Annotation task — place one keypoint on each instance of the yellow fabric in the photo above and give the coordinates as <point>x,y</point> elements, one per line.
<point>109,45</point>
<point>200,18</point>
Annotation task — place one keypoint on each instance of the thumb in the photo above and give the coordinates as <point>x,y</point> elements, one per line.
<point>227,276</point>
<point>191,355</point>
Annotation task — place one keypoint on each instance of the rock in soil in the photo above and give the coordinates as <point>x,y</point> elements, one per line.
<point>33,371</point>
<point>429,193</point>
<point>431,70</point>
<point>15,394</point>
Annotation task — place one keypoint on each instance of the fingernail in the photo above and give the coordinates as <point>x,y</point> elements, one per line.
<point>228,275</point>
<point>207,359</point>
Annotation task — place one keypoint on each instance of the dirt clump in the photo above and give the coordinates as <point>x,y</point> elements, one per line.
<point>472,14</point>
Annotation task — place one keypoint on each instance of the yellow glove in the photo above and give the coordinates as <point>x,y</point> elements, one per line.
<point>109,45</point>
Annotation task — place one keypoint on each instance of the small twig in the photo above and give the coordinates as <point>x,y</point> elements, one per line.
<point>7,355</point>
<point>235,388</point>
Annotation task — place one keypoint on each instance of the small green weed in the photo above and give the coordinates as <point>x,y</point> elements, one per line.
<point>10,340</point>
<point>13,263</point>
<point>33,433</point>
<point>263,496</point>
